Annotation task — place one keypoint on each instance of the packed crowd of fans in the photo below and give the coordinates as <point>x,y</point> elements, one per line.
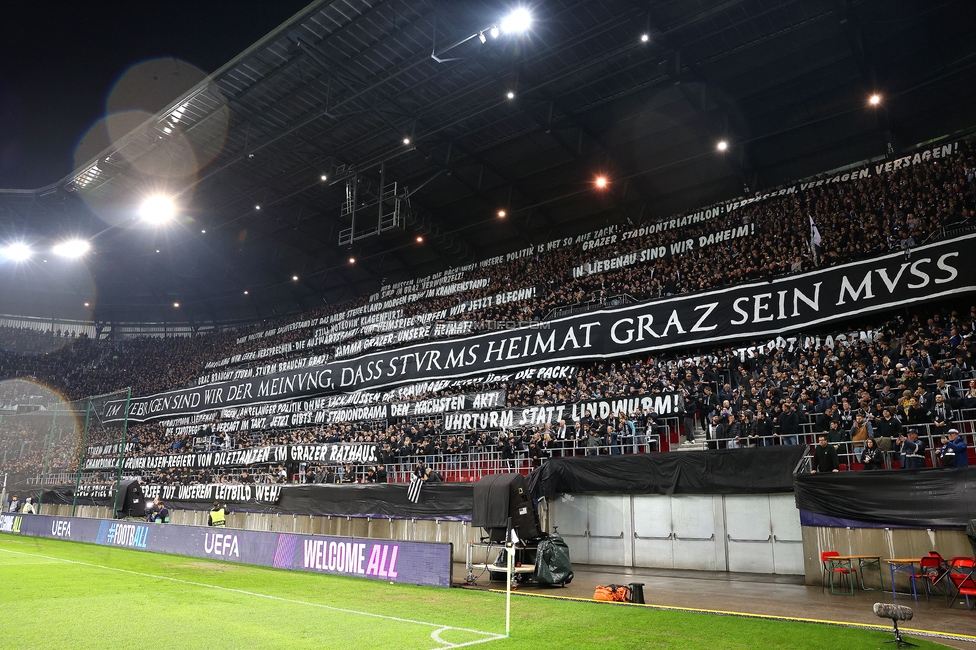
<point>908,373</point>
<point>884,212</point>
<point>733,401</point>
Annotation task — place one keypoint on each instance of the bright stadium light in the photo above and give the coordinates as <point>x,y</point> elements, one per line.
<point>18,251</point>
<point>645,38</point>
<point>516,22</point>
<point>71,248</point>
<point>510,94</point>
<point>722,145</point>
<point>157,209</point>
<point>875,99</point>
<point>601,181</point>
<point>494,31</point>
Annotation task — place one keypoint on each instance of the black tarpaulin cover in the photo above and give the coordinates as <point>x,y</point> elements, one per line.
<point>437,501</point>
<point>762,470</point>
<point>490,508</point>
<point>922,498</point>
<point>552,565</point>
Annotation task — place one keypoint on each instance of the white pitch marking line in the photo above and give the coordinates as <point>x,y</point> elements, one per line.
<point>492,636</point>
<point>436,636</point>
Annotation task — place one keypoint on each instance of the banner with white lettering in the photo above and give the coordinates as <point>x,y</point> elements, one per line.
<point>236,493</point>
<point>231,493</point>
<point>665,404</point>
<point>339,452</point>
<point>230,458</point>
<point>680,247</point>
<point>754,310</point>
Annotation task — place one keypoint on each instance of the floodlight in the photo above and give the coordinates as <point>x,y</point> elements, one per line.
<point>406,141</point>
<point>324,177</point>
<point>722,145</point>
<point>352,260</point>
<point>645,38</point>
<point>71,248</point>
<point>420,240</point>
<point>502,213</point>
<point>87,304</point>
<point>176,304</point>
<point>245,293</point>
<point>494,31</point>
<point>17,251</point>
<point>601,181</point>
<point>294,278</point>
<point>510,95</point>
<point>157,209</point>
<point>875,99</point>
<point>257,207</point>
<point>517,21</point>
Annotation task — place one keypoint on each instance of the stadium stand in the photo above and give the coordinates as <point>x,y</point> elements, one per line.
<point>883,370</point>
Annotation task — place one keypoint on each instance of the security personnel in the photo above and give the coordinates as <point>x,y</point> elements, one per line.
<point>912,451</point>
<point>161,516</point>
<point>218,516</point>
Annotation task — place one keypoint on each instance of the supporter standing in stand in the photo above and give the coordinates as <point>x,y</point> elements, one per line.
<point>941,417</point>
<point>825,457</point>
<point>789,424</point>
<point>763,428</point>
<point>954,452</point>
<point>860,432</point>
<point>872,457</point>
<point>691,412</point>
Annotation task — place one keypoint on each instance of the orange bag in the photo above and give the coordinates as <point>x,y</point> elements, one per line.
<point>611,593</point>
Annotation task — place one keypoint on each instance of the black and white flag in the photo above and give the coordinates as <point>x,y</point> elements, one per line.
<point>413,492</point>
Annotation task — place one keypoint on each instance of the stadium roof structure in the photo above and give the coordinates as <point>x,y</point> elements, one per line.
<point>417,106</point>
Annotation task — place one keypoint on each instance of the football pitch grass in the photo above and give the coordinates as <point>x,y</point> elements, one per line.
<point>56,594</point>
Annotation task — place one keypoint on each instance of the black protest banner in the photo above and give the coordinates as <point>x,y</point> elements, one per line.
<point>229,458</point>
<point>339,452</point>
<point>747,311</point>
<point>231,493</point>
<point>236,493</point>
<point>666,404</point>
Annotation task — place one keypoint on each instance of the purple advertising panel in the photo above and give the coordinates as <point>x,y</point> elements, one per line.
<point>419,563</point>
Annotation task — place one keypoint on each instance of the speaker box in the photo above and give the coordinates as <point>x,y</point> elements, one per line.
<point>131,501</point>
<point>499,498</point>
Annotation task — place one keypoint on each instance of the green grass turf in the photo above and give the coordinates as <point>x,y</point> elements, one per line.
<point>46,602</point>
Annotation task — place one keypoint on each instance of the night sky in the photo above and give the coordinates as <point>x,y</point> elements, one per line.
<point>59,62</point>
